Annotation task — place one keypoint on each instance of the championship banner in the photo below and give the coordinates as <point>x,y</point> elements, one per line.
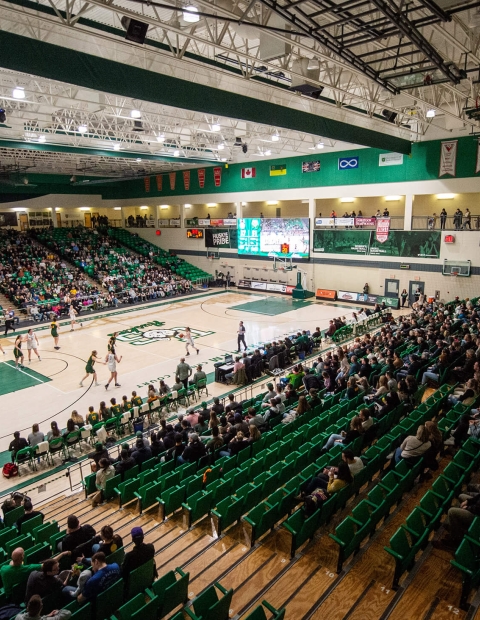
<point>383,228</point>
<point>172,176</point>
<point>365,221</point>
<point>146,182</point>
<point>217,176</point>
<point>477,165</point>
<point>448,158</point>
<point>159,179</point>
<point>186,179</point>
<point>201,177</point>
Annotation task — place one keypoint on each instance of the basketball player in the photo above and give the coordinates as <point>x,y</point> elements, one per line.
<point>32,345</point>
<point>17,352</point>
<point>73,314</point>
<point>54,332</point>
<point>89,368</point>
<point>112,361</point>
<point>241,336</point>
<point>189,341</point>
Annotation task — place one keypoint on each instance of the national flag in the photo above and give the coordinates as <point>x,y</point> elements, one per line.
<point>278,170</point>
<point>248,173</point>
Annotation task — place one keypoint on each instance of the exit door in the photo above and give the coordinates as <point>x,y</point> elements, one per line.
<point>23,221</point>
<point>59,220</point>
<point>413,285</point>
<point>392,288</point>
<point>88,220</point>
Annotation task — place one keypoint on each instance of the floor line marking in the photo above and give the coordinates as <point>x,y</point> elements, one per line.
<point>25,373</point>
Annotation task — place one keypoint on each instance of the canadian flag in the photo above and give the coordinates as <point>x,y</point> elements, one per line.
<point>248,173</point>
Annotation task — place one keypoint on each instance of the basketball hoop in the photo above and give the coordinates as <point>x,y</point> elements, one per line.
<point>454,274</point>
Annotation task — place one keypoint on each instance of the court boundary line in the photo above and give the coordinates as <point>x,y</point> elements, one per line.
<point>25,373</point>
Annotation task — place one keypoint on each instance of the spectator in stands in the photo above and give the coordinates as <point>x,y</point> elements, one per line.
<point>198,376</point>
<point>414,446</point>
<point>255,434</point>
<point>156,444</point>
<point>30,513</point>
<point>34,611</point>
<point>314,399</point>
<point>270,393</point>
<point>430,456</point>
<point>142,452</point>
<point>332,479</point>
<point>108,542</point>
<point>459,432</point>
<point>194,450</point>
<point>105,472</point>
<point>54,431</point>
<point>201,426</point>
<point>92,416</point>
<point>35,437</point>
<point>254,418</point>
<point>77,419</point>
<point>217,407</point>
<point>100,453</point>
<point>345,438</point>
<point>125,463</point>
<point>18,443</point>
<point>177,449</point>
<point>232,404</point>
<point>45,581</point>
<point>235,445</point>
<point>104,576</point>
<point>460,519</point>
<point>140,554</point>
<point>76,535</point>
<point>16,572</point>
<point>311,381</point>
<point>216,441</point>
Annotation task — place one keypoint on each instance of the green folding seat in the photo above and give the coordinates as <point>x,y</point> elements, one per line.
<point>445,490</point>
<point>220,489</point>
<point>227,464</point>
<point>418,526</point>
<point>349,536</point>
<point>301,528</point>
<point>165,467</point>
<point>24,541</point>
<point>261,519</point>
<point>404,552</point>
<point>343,496</point>
<point>467,561</point>
<point>268,481</point>
<point>42,533</point>
<point>192,484</point>
<point>148,495</point>
<point>139,580</point>
<point>236,477</point>
<point>380,506</point>
<point>471,448</point>
<point>209,605</point>
<point>431,505</point>
<point>171,590</point>
<point>38,553</point>
<point>309,472</point>
<point>227,512</point>
<point>252,468</point>
<point>12,516</point>
<point>259,613</point>
<point>243,456</point>
<point>456,475</point>
<point>116,557</point>
<point>80,612</point>
<point>28,526</point>
<point>258,446</point>
<point>171,479</point>
<point>137,609</point>
<point>132,473</point>
<point>294,484</point>
<point>188,469</point>
<point>108,601</point>
<point>392,487</point>
<point>110,486</point>
<point>197,506</point>
<point>146,476</point>
<point>126,491</point>
<point>269,459</point>
<point>284,499</point>
<point>465,462</point>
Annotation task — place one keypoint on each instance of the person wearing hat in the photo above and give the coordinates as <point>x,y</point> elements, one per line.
<point>140,554</point>
<point>194,450</point>
<point>139,435</point>
<point>198,376</point>
<point>142,452</point>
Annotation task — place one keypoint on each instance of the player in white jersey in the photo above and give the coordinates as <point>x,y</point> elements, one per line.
<point>32,345</point>
<point>112,359</point>
<point>189,341</point>
<point>73,317</point>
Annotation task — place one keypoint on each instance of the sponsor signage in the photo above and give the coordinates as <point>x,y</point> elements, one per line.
<point>348,163</point>
<point>344,221</point>
<point>203,222</point>
<point>163,223</point>
<point>325,221</point>
<point>365,221</point>
<point>230,221</point>
<point>367,300</point>
<point>273,287</point>
<point>216,222</point>
<point>323,293</point>
<point>175,223</point>
<point>347,296</point>
<point>194,233</point>
<point>390,159</point>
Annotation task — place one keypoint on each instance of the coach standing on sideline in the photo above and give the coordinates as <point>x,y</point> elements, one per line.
<point>241,336</point>
<point>183,372</point>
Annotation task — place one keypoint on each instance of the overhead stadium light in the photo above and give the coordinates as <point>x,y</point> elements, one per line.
<point>19,92</point>
<point>82,129</point>
<point>136,114</point>
<point>190,14</point>
<point>430,113</point>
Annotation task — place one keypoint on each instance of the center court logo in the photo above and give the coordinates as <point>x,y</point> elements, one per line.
<point>153,332</point>
<point>347,163</point>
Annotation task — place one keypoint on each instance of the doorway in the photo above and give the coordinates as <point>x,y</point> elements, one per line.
<point>412,287</point>
<point>23,222</point>
<point>392,288</point>
<point>59,220</point>
<point>88,220</point>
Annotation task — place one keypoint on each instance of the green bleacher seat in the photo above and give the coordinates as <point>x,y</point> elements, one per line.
<point>210,604</point>
<point>171,591</point>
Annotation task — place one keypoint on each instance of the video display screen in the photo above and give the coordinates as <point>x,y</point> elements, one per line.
<point>265,236</point>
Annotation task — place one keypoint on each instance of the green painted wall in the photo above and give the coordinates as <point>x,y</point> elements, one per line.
<point>421,165</point>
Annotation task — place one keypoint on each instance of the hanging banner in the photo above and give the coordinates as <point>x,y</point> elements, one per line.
<point>201,177</point>
<point>217,176</point>
<point>448,158</point>
<point>172,176</point>
<point>146,182</point>
<point>365,221</point>
<point>477,165</point>
<point>186,179</point>
<point>383,228</point>
<point>159,178</point>
<point>390,159</point>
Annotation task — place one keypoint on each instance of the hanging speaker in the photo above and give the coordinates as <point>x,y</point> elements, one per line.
<point>136,31</point>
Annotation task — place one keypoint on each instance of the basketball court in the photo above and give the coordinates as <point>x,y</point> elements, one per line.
<point>49,390</point>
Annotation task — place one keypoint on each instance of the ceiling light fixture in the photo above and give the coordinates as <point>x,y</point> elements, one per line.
<point>41,138</point>
<point>392,198</point>
<point>143,208</point>
<point>320,145</point>
<point>117,208</point>
<point>275,137</point>
<point>19,92</point>
<point>187,206</point>
<point>192,15</point>
<point>82,129</point>
<point>176,153</point>
<point>221,147</point>
<point>139,159</point>
<point>445,196</point>
<point>216,127</point>
<point>164,206</point>
<point>211,204</point>
<point>84,208</point>
<point>267,153</point>
<point>161,138</point>
<point>136,114</point>
<point>272,202</point>
<point>116,147</point>
<point>347,199</point>
<point>430,113</point>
